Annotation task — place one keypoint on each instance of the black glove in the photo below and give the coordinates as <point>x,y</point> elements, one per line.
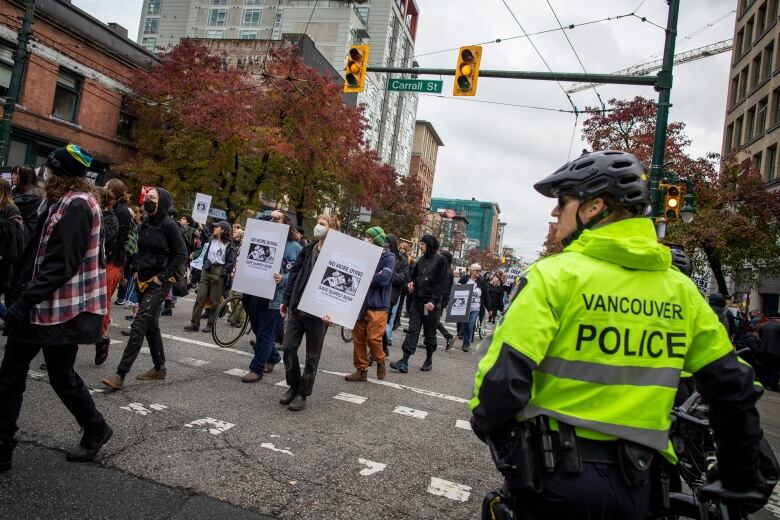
<point>18,313</point>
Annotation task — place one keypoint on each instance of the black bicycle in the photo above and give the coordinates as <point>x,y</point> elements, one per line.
<point>231,322</point>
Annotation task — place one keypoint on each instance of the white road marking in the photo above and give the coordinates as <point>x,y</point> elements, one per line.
<point>239,372</point>
<point>773,506</point>
<point>411,412</point>
<point>138,408</point>
<point>351,398</point>
<point>373,467</point>
<point>270,446</point>
<point>145,350</point>
<point>214,426</point>
<point>38,376</point>
<point>208,345</point>
<point>276,436</point>
<point>283,383</point>
<point>115,341</point>
<point>463,425</point>
<point>158,407</point>
<point>193,362</point>
<point>94,391</point>
<point>447,489</point>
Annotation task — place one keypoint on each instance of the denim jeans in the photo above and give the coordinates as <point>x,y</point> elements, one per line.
<point>265,324</point>
<point>469,327</point>
<point>389,328</point>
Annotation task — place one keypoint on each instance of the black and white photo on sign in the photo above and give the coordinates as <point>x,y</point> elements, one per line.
<point>258,258</point>
<point>343,272</point>
<point>460,302</point>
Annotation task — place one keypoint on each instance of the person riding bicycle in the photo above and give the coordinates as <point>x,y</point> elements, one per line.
<point>575,391</point>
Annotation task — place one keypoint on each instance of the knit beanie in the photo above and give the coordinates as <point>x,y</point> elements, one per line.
<point>377,234</point>
<point>69,161</point>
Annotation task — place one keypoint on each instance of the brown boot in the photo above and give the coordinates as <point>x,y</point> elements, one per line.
<point>152,373</point>
<point>357,375</point>
<point>381,370</point>
<point>113,382</point>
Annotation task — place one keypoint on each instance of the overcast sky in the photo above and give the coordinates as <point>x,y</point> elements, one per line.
<point>496,152</point>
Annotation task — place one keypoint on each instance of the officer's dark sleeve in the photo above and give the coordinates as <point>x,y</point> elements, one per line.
<point>727,384</point>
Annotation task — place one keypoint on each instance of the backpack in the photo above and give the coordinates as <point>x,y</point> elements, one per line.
<point>131,246</point>
<point>12,239</point>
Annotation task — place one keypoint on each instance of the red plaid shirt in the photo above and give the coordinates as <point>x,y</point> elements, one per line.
<point>86,291</point>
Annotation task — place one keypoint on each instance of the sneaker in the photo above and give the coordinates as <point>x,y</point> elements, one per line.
<point>465,348</point>
<point>450,341</point>
<point>151,374</point>
<point>298,403</point>
<point>381,370</point>
<point>192,328</point>
<point>400,365</point>
<point>207,328</point>
<point>101,351</point>
<point>288,396</point>
<point>90,445</point>
<point>427,366</point>
<point>166,312</point>
<point>113,382</point>
<point>357,375</point>
<point>251,377</point>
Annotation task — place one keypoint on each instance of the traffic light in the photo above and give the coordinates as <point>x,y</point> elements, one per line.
<point>672,201</point>
<point>467,71</point>
<point>357,62</point>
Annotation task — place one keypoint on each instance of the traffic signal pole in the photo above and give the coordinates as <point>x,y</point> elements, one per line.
<point>20,59</point>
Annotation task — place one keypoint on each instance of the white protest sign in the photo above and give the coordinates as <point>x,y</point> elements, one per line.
<point>340,279</point>
<point>200,210</point>
<point>513,273</point>
<point>261,255</point>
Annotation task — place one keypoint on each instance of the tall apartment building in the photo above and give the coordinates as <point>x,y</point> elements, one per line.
<point>388,26</point>
<point>425,149</point>
<point>753,108</point>
<point>482,217</point>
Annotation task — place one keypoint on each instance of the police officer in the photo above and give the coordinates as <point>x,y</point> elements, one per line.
<point>590,352</point>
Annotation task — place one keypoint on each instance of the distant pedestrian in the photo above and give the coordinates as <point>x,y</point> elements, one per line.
<point>26,197</point>
<point>495,296</point>
<point>477,309</point>
<point>109,230</point>
<point>769,357</point>
<point>59,300</point>
<point>449,338</point>
<point>400,280</point>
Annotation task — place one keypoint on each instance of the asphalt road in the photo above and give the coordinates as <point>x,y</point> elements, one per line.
<point>204,445</point>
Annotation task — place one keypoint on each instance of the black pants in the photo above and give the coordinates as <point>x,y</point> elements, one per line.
<point>63,379</point>
<point>444,332</point>
<point>146,325</point>
<point>299,324</point>
<point>418,319</point>
<point>769,370</point>
<point>598,493</point>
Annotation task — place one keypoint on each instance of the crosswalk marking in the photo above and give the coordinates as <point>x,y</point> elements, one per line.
<point>447,489</point>
<point>212,426</point>
<point>463,425</point>
<point>239,372</point>
<point>350,398</point>
<point>410,412</point>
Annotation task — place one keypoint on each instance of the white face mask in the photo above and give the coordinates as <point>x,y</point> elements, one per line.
<point>320,231</point>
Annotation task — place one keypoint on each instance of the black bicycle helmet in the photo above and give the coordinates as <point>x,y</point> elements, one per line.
<point>681,260</point>
<point>619,174</point>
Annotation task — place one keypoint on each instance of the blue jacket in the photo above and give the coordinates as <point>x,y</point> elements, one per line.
<point>381,288</point>
<point>291,252</point>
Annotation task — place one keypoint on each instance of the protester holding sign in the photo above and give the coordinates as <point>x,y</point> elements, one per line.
<point>370,326</point>
<point>263,313</point>
<point>301,323</point>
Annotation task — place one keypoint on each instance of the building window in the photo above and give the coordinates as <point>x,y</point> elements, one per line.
<point>768,58</point>
<point>756,71</point>
<point>215,34</point>
<point>219,2</point>
<point>66,96</point>
<point>748,34</point>
<point>729,137</point>
<point>217,17</point>
<point>761,20</point>
<point>774,5</point>
<point>743,83</point>
<point>254,2</point>
<point>756,162</point>
<point>149,43</point>
<point>251,18</point>
<point>750,125</point>
<point>776,106</point>
<point>738,43</point>
<point>6,67</point>
<point>151,25</point>
<point>734,90</point>
<point>761,116</point>
<point>771,163</point>
<point>738,132</point>
<point>125,128</point>
<point>247,35</point>
<point>153,8</point>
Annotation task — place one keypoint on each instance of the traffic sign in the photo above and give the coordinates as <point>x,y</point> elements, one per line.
<point>414,85</point>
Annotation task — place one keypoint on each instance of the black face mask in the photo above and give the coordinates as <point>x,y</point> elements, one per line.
<point>150,207</point>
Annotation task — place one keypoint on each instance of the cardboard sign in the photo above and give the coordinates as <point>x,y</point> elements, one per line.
<point>340,279</point>
<point>460,304</point>
<point>200,210</point>
<point>261,255</point>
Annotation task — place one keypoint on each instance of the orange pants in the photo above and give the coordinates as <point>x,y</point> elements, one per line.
<point>367,335</point>
<point>113,276</point>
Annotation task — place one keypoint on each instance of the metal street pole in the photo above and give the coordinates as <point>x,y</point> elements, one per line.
<point>664,88</point>
<point>20,59</point>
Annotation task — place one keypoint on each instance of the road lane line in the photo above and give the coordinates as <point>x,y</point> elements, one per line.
<point>447,489</point>
<point>350,398</point>
<point>373,467</point>
<point>272,447</point>
<point>238,372</point>
<point>463,425</point>
<point>213,426</point>
<point>411,412</point>
<point>193,362</point>
<point>207,345</point>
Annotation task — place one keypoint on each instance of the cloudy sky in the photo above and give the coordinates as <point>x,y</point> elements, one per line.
<point>496,151</point>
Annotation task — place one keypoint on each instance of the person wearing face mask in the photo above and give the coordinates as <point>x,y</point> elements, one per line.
<point>300,323</point>
<point>161,251</point>
<point>370,326</point>
<point>219,261</point>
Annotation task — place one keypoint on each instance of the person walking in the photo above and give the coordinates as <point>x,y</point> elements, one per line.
<point>264,316</point>
<point>370,326</point>
<point>12,238</point>
<point>219,261</point>
<point>109,229</point>
<point>477,309</point>
<point>449,338</point>
<point>769,357</point>
<point>429,278</point>
<point>495,296</point>
<point>400,280</point>
<point>161,251</point>
<point>26,197</point>
<point>589,354</point>
<point>300,323</point>
<point>58,301</point>
<point>404,250</point>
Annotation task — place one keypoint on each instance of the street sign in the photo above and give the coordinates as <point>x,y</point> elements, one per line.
<point>217,213</point>
<point>414,85</point>
<point>365,215</point>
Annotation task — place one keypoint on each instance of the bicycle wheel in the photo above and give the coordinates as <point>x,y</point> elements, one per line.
<point>346,334</point>
<point>231,322</point>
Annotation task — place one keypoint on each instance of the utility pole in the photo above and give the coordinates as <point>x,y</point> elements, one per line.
<point>664,88</point>
<point>20,60</point>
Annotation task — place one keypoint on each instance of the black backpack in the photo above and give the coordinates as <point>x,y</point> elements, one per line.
<point>12,238</point>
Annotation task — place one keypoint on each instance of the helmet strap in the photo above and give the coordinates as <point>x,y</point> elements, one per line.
<point>582,226</point>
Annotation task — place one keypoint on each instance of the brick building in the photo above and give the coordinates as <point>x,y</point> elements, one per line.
<point>425,148</point>
<point>74,86</point>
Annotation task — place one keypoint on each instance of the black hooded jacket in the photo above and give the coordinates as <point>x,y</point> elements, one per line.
<point>401,276</point>
<point>161,248</point>
<point>718,304</point>
<point>28,202</point>
<point>430,274</point>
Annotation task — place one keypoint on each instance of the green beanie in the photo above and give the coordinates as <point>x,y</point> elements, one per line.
<point>377,234</point>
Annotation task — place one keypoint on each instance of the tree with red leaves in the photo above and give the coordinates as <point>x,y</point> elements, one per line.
<point>737,228</point>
